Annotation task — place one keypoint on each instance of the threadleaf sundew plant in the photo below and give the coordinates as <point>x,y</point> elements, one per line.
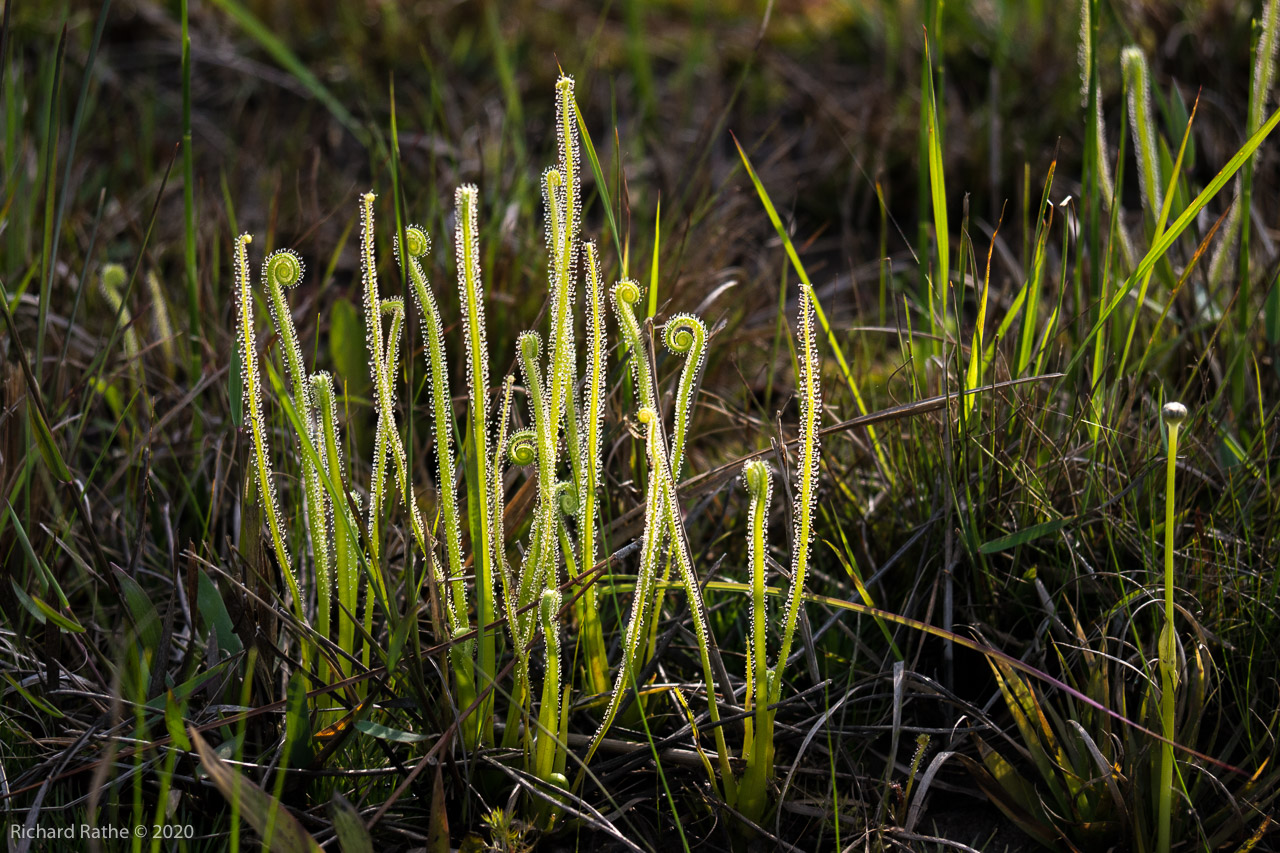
<point>551,582</point>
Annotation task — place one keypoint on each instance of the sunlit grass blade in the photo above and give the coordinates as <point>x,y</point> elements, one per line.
<point>845,371</point>
<point>280,51</point>
<point>1161,245</point>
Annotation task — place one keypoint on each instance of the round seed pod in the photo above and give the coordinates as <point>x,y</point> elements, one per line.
<point>1174,413</point>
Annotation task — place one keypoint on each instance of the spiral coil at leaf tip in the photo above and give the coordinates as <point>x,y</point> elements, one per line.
<point>417,241</point>
<point>283,267</point>
<point>683,332</point>
<point>567,498</point>
<point>522,448</point>
<point>628,291</point>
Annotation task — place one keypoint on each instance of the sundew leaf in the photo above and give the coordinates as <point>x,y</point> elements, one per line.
<point>144,612</point>
<point>263,811</point>
<point>213,610</point>
<point>382,732</point>
<point>1023,536</point>
<point>297,738</point>
<point>347,823</point>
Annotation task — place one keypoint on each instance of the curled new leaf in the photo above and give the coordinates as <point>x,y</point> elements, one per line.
<point>522,447</point>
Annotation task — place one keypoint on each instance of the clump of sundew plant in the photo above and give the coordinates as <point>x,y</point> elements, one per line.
<point>565,413</point>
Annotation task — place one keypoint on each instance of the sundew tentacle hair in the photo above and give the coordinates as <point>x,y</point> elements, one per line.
<point>530,345</point>
<point>759,482</point>
<point>284,269</point>
<point>1137,86</point>
<point>485,534</point>
<point>372,303</point>
<point>109,284</point>
<point>549,708</point>
<point>497,500</point>
<point>252,385</point>
<point>384,356</point>
<point>591,431</point>
<point>344,523</point>
<point>560,250</point>
<point>570,156</point>
<point>758,742</point>
<point>590,435</point>
<point>453,592</point>
<point>660,469</point>
<point>685,335</point>
<point>522,449</point>
<point>418,244</point>
<point>806,494</point>
<point>626,294</point>
<point>634,635</point>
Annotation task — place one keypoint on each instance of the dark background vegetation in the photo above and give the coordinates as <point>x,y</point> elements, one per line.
<point>825,96</point>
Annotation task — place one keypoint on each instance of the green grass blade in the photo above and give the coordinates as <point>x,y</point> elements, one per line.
<point>817,307</point>
<point>280,52</point>
<point>1162,244</point>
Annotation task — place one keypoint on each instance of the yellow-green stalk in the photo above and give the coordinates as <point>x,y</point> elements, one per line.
<point>1174,414</point>
<point>806,495</point>
<point>284,269</point>
<point>417,245</point>
<point>485,551</point>
<point>591,431</point>
<point>346,567</point>
<point>757,747</point>
<point>109,284</point>
<point>251,382</point>
<point>160,318</point>
<point>1137,85</point>
<point>661,471</point>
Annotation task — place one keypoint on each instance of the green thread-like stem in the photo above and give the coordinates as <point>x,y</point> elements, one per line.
<point>1174,414</point>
